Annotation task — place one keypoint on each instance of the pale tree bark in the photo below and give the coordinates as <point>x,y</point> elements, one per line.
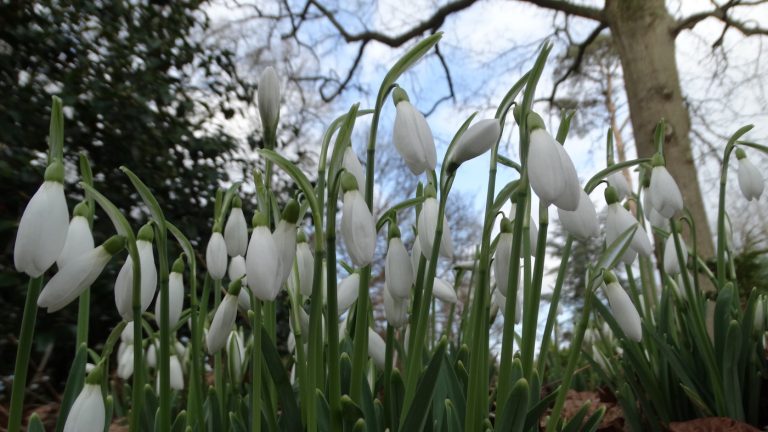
<point>643,33</point>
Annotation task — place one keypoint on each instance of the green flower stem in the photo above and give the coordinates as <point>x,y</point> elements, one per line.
<point>165,333</point>
<point>255,316</point>
<point>306,392</point>
<point>721,234</point>
<point>22,354</point>
<point>533,297</point>
<point>389,412</point>
<point>510,307</point>
<point>418,290</point>
<point>84,303</point>
<point>555,301</point>
<point>218,363</point>
<point>573,357</point>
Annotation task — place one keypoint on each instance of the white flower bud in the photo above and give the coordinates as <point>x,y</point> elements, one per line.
<point>151,356</point>
<point>176,373</point>
<point>551,172</point>
<point>416,255</point>
<point>125,362</point>
<point>751,182</point>
<point>501,258</point>
<point>358,229</point>
<point>476,140</point>
<point>444,291</point>
<point>222,323</point>
<point>87,413</point>
<point>235,354</point>
<point>671,265</point>
<point>581,223</point>
<point>398,271</point>
<point>624,311</point>
<point>261,264</point>
<point>269,98</point>
<point>427,225</point>
<point>124,282</point>
<point>175,300</point>
<point>216,256</point>
<point>665,195</point>
<point>413,139</point>
<point>377,349</point>
<point>42,230</point>
<point>346,292</point>
<point>79,241</point>
<point>236,233</point>
<point>305,264</point>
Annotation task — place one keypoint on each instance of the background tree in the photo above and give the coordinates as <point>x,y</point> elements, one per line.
<point>141,88</point>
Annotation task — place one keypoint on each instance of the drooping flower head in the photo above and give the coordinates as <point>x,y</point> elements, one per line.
<point>285,240</point>
<point>175,295</point>
<point>88,412</point>
<point>236,229</point>
<point>622,308</point>
<point>550,170</point>
<point>665,194</point>
<point>261,260</point>
<point>617,221</point>
<point>44,224</point>
<point>751,182</point>
<point>358,228</point>
<point>476,140</point>
<point>124,282</point>
<point>412,136</point>
<point>671,264</point>
<point>216,254</point>
<point>398,272</point>
<point>79,237</point>
<point>581,223</point>
<point>223,319</point>
<point>427,226</point>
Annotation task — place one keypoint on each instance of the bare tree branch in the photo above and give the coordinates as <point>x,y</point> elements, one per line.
<point>582,48</point>
<point>720,12</point>
<point>571,9</point>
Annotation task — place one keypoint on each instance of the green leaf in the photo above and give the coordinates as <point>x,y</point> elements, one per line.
<point>150,407</point>
<point>295,173</point>
<point>395,398</point>
<point>149,200</point>
<point>35,425</point>
<point>359,426</point>
<point>349,410</point>
<point>323,412</point>
<point>535,413</point>
<point>416,416</point>
<point>409,59</point>
<point>613,252</point>
<point>180,424</point>
<point>593,422</point>
<point>86,175</point>
<point>516,408</point>
<point>236,423</point>
<point>704,410</point>
<point>115,215</point>
<point>575,423</point>
<point>74,385</point>
<point>597,178</point>
<point>291,416</point>
<point>453,423</point>
<point>214,420</point>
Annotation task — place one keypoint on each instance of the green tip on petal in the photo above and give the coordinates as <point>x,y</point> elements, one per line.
<point>301,237</point>
<point>234,286</point>
<point>535,122</point>
<point>506,225</point>
<point>348,182</point>
<point>291,212</point>
<point>394,231</point>
<point>237,202</point>
<point>657,160</point>
<point>399,95</point>
<point>81,209</point>
<point>55,172</point>
<point>740,154</point>
<point>114,244</point>
<point>609,277</point>
<point>178,265</point>
<point>96,375</point>
<point>146,233</point>
<point>259,219</point>
<point>429,191</point>
<point>611,195</point>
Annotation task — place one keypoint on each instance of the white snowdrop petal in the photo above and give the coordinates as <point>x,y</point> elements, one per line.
<point>216,256</point>
<point>269,97</point>
<point>398,271</point>
<point>377,349</point>
<point>236,232</point>
<point>222,323</point>
<point>671,264</point>
<point>395,311</point>
<point>544,167</point>
<point>476,140</point>
<point>413,139</point>
<point>261,264</point>
<point>581,223</point>
<point>148,273</point>
<point>79,240</point>
<point>306,267</point>
<point>358,229</point>
<point>444,291</point>
<point>285,241</point>
<point>346,292</point>
<point>624,311</point>
<point>88,412</point>
<point>570,196</point>
<point>175,300</point>
<point>176,373</point>
<point>751,181</point>
<point>72,280</point>
<point>42,230</point>
<point>352,165</point>
<point>501,262</point>
<point>665,194</point>
<point>416,255</point>
<point>619,182</point>
<point>123,290</point>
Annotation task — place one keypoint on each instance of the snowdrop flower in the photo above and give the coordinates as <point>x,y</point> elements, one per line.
<point>416,255</point>
<point>444,291</point>
<point>346,293</point>
<point>235,354</point>
<point>236,230</point>
<point>261,260</point>
<point>550,170</point>
<point>600,359</point>
<point>176,373</point>
<point>533,230</point>
<point>78,275</point>
<point>358,228</point>
<point>751,182</point>
<point>223,319</point>
<point>665,195</point>
<point>269,99</point>
<point>216,255</point>
<point>151,355</point>
<point>125,361</point>
<point>175,295</point>
<point>622,308</point>
<point>412,136</point>
<point>305,267</point>
<point>377,349</point>
<point>79,238</point>
<point>671,265</point>
<point>352,165</point>
<point>502,256</point>
<point>395,310</point>
<point>44,225</point>
<point>427,224</point>
<point>650,213</point>
<point>581,223</point>
<point>618,220</point>
<point>124,282</point>
<point>620,183</point>
<point>88,412</point>
<point>285,241</point>
<point>476,140</point>
<point>500,301</point>
<point>236,270</point>
<point>398,271</point>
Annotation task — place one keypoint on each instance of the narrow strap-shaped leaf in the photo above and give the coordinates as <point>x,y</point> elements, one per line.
<point>614,251</point>
<point>149,199</point>
<point>74,384</point>
<point>453,422</point>
<point>417,413</point>
<point>516,407</point>
<point>291,416</point>
<point>593,422</point>
<point>535,413</point>
<point>323,412</point>
<point>149,411</point>
<point>349,410</point>
<point>409,59</point>
<point>35,424</point>
<point>180,423</point>
<point>575,422</point>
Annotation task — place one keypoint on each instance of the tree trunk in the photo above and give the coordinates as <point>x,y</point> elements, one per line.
<point>642,33</point>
